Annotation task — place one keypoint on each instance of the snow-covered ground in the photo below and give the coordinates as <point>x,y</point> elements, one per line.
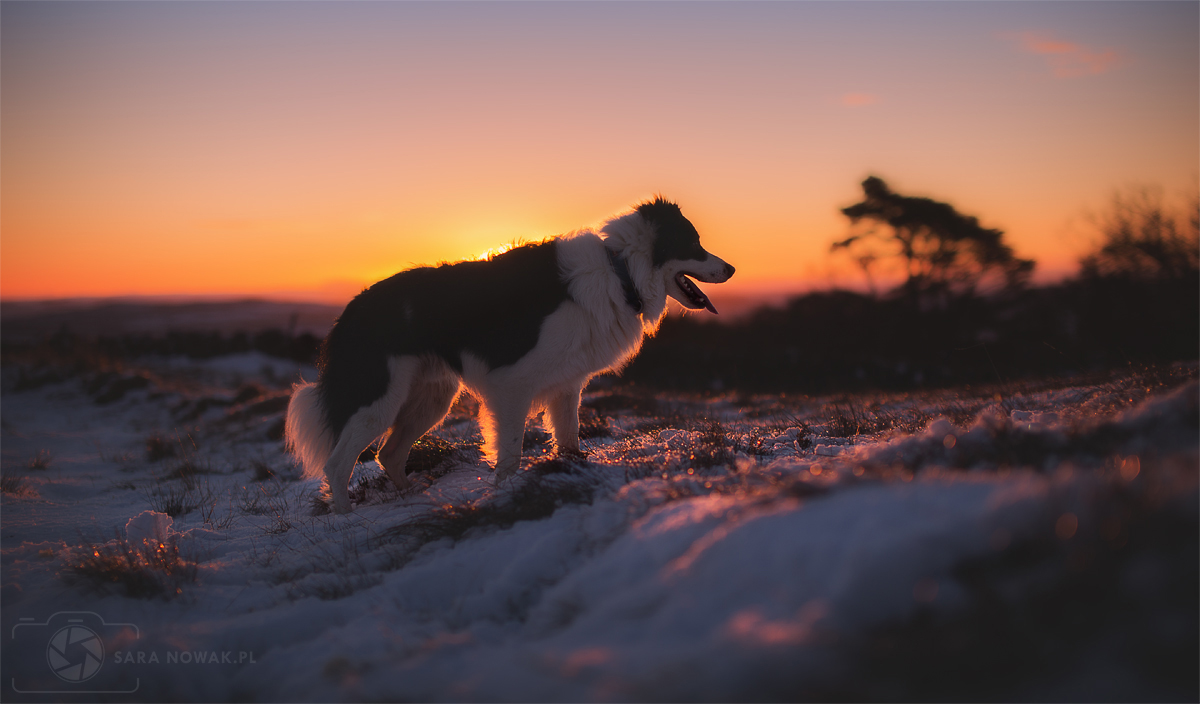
<point>1019,542</point>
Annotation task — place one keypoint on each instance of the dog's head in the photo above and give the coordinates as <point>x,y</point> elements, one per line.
<point>678,256</point>
<point>664,256</point>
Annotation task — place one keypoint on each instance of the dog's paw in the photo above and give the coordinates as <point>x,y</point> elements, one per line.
<point>400,480</point>
<point>504,471</point>
<point>572,453</point>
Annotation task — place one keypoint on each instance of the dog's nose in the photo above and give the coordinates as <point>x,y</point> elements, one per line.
<point>728,270</point>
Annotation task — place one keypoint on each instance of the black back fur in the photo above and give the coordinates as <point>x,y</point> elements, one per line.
<point>493,309</point>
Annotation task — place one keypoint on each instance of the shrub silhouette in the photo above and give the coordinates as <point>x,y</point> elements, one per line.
<point>1137,293</point>
<point>1142,240</point>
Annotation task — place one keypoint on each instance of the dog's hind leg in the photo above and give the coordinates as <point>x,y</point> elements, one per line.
<point>368,423</point>
<point>428,401</point>
<point>359,432</point>
<point>563,409</point>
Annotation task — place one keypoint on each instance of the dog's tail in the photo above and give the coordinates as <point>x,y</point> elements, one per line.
<point>308,436</point>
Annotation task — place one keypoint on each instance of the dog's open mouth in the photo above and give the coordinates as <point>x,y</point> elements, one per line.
<point>694,294</point>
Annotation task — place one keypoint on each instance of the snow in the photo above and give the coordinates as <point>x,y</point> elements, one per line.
<point>149,525</point>
<point>669,566</point>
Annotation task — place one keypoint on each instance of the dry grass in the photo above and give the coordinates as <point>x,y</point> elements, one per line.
<point>180,499</point>
<point>713,448</point>
<point>13,484</point>
<point>142,570</point>
<point>262,471</point>
<point>592,424</point>
<point>267,499</point>
<point>430,452</point>
<point>160,447</point>
<point>41,461</point>
<point>188,469</point>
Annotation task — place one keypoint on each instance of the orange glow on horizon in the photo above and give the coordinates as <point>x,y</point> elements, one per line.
<point>267,267</point>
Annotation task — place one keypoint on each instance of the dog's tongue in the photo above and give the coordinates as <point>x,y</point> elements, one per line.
<point>693,291</point>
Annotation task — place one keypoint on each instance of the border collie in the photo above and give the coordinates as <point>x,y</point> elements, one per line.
<point>522,331</point>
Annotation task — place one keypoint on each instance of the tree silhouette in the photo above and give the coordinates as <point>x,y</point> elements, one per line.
<point>1142,240</point>
<point>943,251</point>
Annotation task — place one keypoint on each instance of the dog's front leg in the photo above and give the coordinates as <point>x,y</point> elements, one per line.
<point>510,432</point>
<point>564,417</point>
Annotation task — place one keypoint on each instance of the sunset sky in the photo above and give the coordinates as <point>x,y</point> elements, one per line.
<point>305,149</point>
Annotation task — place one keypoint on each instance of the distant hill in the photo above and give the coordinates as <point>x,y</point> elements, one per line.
<point>29,321</point>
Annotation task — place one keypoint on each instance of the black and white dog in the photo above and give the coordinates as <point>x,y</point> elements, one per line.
<point>523,330</point>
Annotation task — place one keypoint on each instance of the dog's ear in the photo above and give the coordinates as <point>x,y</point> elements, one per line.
<point>658,209</point>
<point>674,235</point>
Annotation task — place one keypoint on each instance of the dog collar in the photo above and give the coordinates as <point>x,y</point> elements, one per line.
<point>621,267</point>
